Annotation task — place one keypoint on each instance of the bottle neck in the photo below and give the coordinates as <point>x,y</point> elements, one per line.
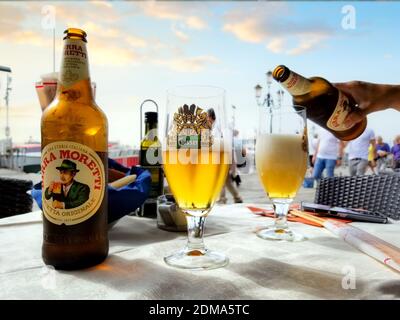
<point>296,84</point>
<point>150,130</point>
<point>149,126</point>
<point>74,78</point>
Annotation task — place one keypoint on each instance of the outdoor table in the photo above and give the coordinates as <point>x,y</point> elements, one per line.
<point>322,267</point>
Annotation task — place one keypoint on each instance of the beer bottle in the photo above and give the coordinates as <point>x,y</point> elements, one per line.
<point>325,104</point>
<point>150,155</point>
<point>74,166</point>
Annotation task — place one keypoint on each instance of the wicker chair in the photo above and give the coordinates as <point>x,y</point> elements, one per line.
<point>14,198</point>
<point>375,193</point>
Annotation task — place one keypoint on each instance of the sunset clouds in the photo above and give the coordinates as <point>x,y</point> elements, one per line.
<point>112,43</point>
<point>270,24</point>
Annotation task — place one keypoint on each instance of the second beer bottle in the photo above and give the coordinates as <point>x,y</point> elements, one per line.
<point>74,166</point>
<point>150,159</point>
<point>325,104</point>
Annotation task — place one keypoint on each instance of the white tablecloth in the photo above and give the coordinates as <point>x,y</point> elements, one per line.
<point>323,267</point>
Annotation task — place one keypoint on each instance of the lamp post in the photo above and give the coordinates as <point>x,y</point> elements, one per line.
<point>268,101</point>
<point>280,94</point>
<point>233,117</point>
<point>233,132</point>
<point>6,98</point>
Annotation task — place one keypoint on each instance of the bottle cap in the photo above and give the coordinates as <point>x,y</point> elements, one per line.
<point>151,117</point>
<point>75,33</point>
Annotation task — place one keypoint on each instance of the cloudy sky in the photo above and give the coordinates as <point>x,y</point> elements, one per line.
<point>138,50</point>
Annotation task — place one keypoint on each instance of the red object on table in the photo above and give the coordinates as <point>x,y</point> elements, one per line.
<point>128,161</point>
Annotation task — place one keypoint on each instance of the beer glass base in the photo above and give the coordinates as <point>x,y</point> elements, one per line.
<point>274,233</point>
<point>197,259</point>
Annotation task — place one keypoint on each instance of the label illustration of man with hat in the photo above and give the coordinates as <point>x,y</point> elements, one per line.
<point>68,193</point>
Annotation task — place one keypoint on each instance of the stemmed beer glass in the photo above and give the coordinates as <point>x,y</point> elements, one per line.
<point>281,161</point>
<point>196,158</point>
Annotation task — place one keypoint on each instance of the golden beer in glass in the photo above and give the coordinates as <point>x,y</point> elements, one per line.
<point>196,184</point>
<point>281,161</point>
<point>196,158</point>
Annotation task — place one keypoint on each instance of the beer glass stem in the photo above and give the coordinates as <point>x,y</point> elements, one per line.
<point>195,227</point>
<point>281,208</point>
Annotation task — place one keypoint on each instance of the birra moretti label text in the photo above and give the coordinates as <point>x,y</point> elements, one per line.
<point>73,182</point>
<point>74,65</point>
<point>296,84</point>
<point>342,109</point>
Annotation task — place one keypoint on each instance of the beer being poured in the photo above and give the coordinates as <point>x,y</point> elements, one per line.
<point>74,166</point>
<point>325,104</point>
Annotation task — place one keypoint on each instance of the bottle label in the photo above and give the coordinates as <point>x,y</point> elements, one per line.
<point>74,64</point>
<point>336,120</point>
<point>188,139</point>
<point>191,129</point>
<point>296,84</point>
<point>73,182</point>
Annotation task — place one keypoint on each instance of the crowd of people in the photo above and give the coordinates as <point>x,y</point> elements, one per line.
<point>367,151</point>
<point>367,154</point>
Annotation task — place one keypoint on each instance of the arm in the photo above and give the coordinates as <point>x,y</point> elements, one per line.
<point>387,149</point>
<point>341,152</point>
<point>48,194</point>
<point>370,97</point>
<point>244,152</point>
<point>383,152</point>
<point>392,152</point>
<point>314,158</point>
<point>373,143</point>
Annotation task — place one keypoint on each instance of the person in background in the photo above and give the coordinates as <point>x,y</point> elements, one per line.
<point>358,152</point>
<point>312,146</point>
<point>233,172</point>
<point>371,97</point>
<point>240,150</point>
<point>382,151</point>
<point>328,154</point>
<point>396,153</point>
<point>371,158</point>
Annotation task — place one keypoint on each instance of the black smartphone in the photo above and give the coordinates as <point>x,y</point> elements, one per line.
<point>344,213</point>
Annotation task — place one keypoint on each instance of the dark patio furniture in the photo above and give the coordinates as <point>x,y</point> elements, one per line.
<point>374,193</point>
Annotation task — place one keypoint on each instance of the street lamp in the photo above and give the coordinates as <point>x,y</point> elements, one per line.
<point>280,94</point>
<point>269,78</point>
<point>233,132</point>
<point>258,90</point>
<point>9,151</point>
<point>6,97</point>
<point>268,98</point>
<point>5,69</point>
<point>233,117</point>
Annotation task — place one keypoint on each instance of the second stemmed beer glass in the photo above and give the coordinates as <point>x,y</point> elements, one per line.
<point>281,161</point>
<point>196,164</point>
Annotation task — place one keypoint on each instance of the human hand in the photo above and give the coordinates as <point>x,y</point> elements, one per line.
<point>370,97</point>
<point>313,159</point>
<point>237,180</point>
<point>338,163</point>
<point>58,204</point>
